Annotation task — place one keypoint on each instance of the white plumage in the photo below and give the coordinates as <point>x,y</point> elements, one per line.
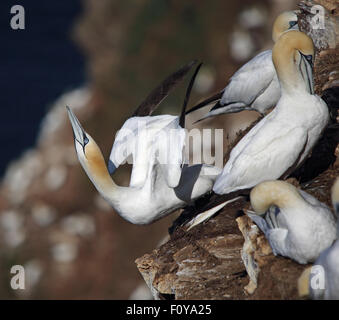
<point>158,185</point>
<point>140,137</point>
<point>143,137</point>
<point>151,201</point>
<point>255,85</point>
<point>282,140</point>
<point>295,223</point>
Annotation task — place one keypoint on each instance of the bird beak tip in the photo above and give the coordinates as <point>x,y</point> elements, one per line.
<point>78,131</point>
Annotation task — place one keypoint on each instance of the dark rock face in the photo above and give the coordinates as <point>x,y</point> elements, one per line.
<point>207,262</point>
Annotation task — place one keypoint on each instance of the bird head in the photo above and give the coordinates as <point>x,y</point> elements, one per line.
<point>287,20</point>
<point>89,154</point>
<point>275,192</point>
<point>293,56</point>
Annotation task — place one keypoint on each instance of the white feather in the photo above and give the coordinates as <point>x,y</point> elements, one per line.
<point>144,137</point>
<point>300,231</point>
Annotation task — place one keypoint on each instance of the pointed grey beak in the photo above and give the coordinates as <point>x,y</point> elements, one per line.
<point>308,73</point>
<point>78,131</point>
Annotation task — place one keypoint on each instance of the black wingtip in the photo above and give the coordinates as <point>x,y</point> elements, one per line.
<point>205,102</point>
<point>202,119</point>
<point>216,106</point>
<point>187,96</point>
<point>158,94</point>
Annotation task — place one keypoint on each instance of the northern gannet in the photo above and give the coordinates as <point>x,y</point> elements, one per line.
<point>282,140</point>
<point>255,85</point>
<point>322,280</point>
<point>142,135</point>
<point>153,199</point>
<point>296,224</point>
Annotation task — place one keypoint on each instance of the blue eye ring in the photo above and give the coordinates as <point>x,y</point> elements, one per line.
<point>86,140</point>
<point>309,58</point>
<point>292,23</point>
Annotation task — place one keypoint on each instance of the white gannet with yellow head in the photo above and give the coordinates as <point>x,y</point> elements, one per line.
<point>296,224</point>
<point>152,199</point>
<point>322,280</point>
<point>255,85</point>
<point>283,139</point>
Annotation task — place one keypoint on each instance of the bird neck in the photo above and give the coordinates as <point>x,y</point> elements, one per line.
<point>289,75</point>
<point>97,171</point>
<point>278,193</point>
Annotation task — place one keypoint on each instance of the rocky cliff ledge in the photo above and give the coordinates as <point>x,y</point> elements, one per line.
<point>228,257</point>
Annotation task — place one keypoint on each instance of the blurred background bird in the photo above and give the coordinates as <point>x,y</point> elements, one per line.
<point>255,85</point>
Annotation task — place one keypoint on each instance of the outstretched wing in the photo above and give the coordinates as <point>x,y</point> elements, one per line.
<point>158,94</point>
<point>145,138</point>
<point>135,139</point>
<point>214,98</point>
<point>187,97</point>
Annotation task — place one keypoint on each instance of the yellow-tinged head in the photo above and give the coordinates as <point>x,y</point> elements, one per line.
<point>293,56</point>
<point>275,192</point>
<point>285,21</point>
<point>90,156</point>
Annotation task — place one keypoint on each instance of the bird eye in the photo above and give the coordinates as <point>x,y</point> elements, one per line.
<point>309,58</point>
<point>292,23</point>
<point>85,140</point>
